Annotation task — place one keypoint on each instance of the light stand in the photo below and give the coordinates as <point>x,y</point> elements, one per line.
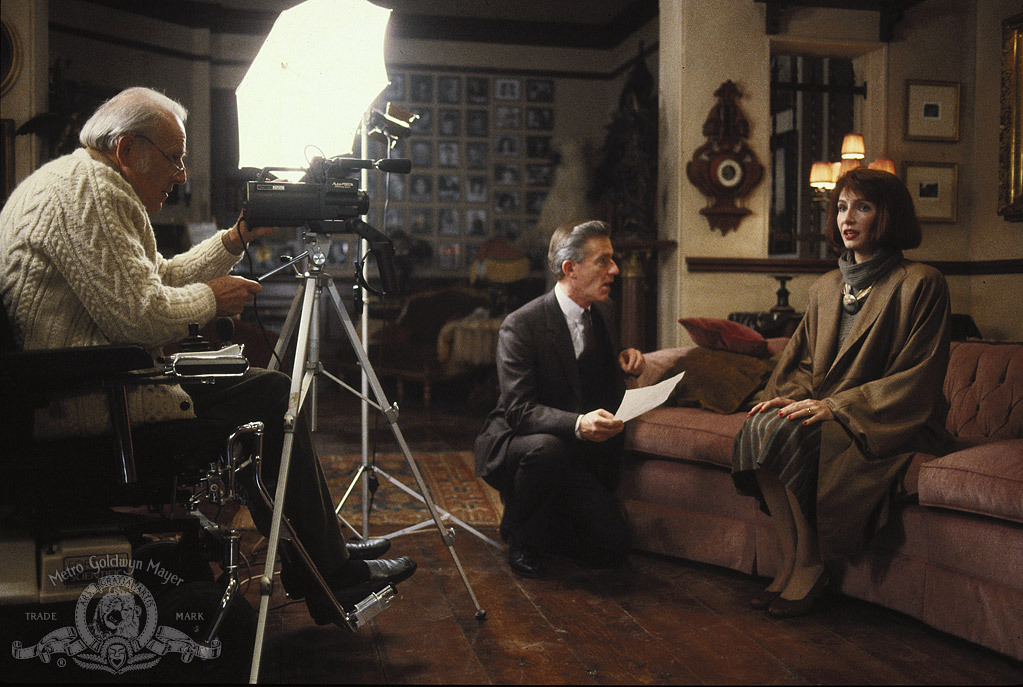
<point>365,469</point>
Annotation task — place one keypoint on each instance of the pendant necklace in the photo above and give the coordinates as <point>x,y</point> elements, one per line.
<point>852,302</point>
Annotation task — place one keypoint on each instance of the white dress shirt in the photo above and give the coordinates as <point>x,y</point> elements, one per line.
<point>573,316</point>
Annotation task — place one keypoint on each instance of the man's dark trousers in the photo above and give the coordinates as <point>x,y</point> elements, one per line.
<point>262,395</point>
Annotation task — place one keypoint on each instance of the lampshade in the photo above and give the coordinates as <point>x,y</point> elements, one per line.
<point>847,165</point>
<point>821,176</point>
<point>852,147</point>
<point>884,164</point>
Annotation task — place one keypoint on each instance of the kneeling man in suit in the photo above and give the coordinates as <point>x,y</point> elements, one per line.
<point>552,446</point>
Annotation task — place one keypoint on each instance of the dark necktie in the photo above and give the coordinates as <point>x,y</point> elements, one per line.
<point>589,342</point>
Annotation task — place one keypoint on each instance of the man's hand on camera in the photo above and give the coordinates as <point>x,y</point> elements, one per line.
<point>237,237</point>
<point>599,425</point>
<point>233,293</point>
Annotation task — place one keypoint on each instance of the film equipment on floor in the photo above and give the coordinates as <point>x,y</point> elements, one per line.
<point>327,202</point>
<point>310,87</point>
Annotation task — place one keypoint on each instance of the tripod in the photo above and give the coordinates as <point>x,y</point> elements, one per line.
<point>304,312</point>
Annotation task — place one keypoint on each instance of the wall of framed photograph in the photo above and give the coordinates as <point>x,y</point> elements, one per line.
<point>481,151</point>
<point>932,111</point>
<point>934,187</point>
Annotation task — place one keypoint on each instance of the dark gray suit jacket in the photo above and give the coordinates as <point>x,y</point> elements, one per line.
<point>539,377</point>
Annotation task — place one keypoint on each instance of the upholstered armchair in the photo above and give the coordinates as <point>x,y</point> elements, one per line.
<point>406,349</point>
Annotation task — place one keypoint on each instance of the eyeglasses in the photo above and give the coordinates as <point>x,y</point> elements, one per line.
<point>179,166</point>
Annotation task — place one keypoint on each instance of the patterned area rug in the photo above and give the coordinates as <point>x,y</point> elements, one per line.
<point>447,474</point>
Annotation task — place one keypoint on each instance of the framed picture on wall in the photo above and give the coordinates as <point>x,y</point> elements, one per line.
<point>540,90</point>
<point>422,154</point>
<point>476,123</point>
<point>422,88</point>
<point>1010,139</point>
<point>934,187</point>
<point>540,118</point>
<point>476,155</point>
<point>449,89</point>
<point>932,111</point>
<point>421,221</point>
<point>508,117</point>
<point>477,90</point>
<point>507,89</point>
<point>449,123</point>
<point>476,222</point>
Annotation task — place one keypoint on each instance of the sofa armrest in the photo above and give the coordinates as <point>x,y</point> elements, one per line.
<point>657,364</point>
<point>985,479</point>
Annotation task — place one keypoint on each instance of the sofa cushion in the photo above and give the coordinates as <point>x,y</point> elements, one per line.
<point>718,380</point>
<point>984,388</point>
<point>986,479</point>
<point>725,335</point>
<point>685,434</point>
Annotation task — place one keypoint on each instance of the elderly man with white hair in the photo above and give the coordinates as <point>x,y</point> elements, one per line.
<point>79,267</point>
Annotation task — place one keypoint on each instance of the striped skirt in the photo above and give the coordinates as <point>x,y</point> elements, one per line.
<point>783,447</point>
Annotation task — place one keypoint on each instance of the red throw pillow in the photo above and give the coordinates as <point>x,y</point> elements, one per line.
<point>725,335</point>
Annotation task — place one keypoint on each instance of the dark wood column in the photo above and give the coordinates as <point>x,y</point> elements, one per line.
<point>637,261</point>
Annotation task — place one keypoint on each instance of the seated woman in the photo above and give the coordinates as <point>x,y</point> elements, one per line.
<point>856,393</point>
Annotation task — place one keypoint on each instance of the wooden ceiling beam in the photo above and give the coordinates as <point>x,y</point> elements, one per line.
<point>890,12</point>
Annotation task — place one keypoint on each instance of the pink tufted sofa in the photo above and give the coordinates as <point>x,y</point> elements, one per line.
<point>952,554</point>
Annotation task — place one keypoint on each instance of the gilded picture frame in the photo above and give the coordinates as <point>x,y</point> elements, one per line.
<point>1010,149</point>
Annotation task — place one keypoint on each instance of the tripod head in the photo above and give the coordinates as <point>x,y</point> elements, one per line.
<point>380,248</point>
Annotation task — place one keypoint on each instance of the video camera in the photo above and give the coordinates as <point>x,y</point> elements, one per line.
<point>327,200</point>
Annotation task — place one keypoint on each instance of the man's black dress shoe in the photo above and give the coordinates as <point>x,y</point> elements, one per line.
<point>367,549</point>
<point>382,573</point>
<point>524,560</point>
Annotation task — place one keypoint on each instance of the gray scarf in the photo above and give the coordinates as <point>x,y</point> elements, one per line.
<point>860,277</point>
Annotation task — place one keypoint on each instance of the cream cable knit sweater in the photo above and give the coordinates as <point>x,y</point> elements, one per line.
<point>79,267</point>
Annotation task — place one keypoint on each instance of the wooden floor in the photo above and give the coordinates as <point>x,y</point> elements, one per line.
<point>655,620</point>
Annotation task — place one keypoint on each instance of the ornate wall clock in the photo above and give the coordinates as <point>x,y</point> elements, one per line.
<point>724,168</point>
<point>10,56</point>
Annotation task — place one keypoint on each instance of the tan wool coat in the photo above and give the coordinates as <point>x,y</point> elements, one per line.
<point>884,386</point>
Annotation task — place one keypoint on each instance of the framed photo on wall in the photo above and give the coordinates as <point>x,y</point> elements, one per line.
<point>934,187</point>
<point>932,111</point>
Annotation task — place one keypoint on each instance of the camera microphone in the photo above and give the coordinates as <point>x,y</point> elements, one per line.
<point>341,166</point>
<point>398,165</point>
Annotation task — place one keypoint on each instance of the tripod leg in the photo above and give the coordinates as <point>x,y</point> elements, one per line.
<point>290,418</point>
<point>287,330</point>
<point>300,383</point>
<point>447,535</point>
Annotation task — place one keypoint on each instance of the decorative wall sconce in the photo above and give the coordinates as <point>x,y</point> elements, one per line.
<point>724,168</point>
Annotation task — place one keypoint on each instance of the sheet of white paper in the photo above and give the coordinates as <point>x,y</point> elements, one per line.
<point>638,401</point>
